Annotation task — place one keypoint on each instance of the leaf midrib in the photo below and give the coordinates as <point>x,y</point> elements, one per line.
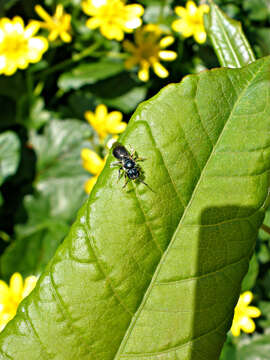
<point>149,289</point>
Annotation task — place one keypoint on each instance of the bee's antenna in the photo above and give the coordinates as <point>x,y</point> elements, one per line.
<point>147,186</point>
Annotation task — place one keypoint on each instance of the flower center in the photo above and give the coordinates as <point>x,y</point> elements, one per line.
<point>112,11</point>
<point>13,44</point>
<point>195,19</point>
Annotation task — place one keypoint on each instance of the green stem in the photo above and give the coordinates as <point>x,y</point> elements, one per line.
<point>265,228</point>
<point>75,58</point>
<point>29,83</point>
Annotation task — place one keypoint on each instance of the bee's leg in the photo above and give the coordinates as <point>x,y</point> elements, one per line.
<point>120,173</point>
<point>133,152</point>
<point>127,181</point>
<point>136,158</point>
<point>116,163</point>
<point>141,181</point>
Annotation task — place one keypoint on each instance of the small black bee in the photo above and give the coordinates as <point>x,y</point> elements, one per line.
<point>127,163</point>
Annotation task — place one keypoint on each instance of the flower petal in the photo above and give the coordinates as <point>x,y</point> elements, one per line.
<point>59,11</point>
<point>167,55</point>
<point>4,293</point>
<point>42,13</point>
<point>16,285</point>
<point>93,23</point>
<point>37,46</point>
<point>10,68</point>
<point>65,36</point>
<point>89,116</point>
<point>18,24</point>
<point>89,184</point>
<point>134,10</point>
<point>247,324</point>
<point>203,9</point>
<point>114,118</point>
<point>31,29</point>
<point>246,297</point>
<point>183,27</point>
<point>200,36</point>
<point>3,62</point>
<point>253,311</point>
<point>133,24</point>
<point>53,35</point>
<point>166,41</point>
<point>235,329</point>
<point>112,31</point>
<point>22,62</point>
<point>29,284</point>
<point>160,70</point>
<point>91,161</point>
<point>180,11</point>
<point>131,62</point>
<point>128,46</point>
<point>143,73</point>
<point>101,112</point>
<point>191,8</point>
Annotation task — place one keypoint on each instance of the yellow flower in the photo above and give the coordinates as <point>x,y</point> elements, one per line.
<point>148,50</point>
<point>191,22</point>
<point>113,17</point>
<point>243,314</point>
<point>94,164</point>
<point>18,46</point>
<point>12,295</point>
<point>58,24</point>
<point>105,123</point>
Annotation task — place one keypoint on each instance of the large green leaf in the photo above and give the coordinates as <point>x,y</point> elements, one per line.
<point>156,275</point>
<point>229,41</point>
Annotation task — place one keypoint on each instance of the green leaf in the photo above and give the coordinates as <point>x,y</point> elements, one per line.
<point>9,154</point>
<point>36,241</point>
<point>59,194</point>
<point>228,40</point>
<point>128,101</point>
<point>86,74</point>
<point>264,320</point>
<point>259,10</point>
<point>263,38</point>
<point>156,275</point>
<point>228,351</point>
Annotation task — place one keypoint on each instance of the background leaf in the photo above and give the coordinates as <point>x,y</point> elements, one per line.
<point>229,41</point>
<point>157,274</point>
<point>86,74</point>
<point>36,241</point>
<point>258,9</point>
<point>60,175</point>
<point>59,193</point>
<point>9,156</point>
<point>255,348</point>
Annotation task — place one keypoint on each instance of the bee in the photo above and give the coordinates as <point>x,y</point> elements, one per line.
<point>127,164</point>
